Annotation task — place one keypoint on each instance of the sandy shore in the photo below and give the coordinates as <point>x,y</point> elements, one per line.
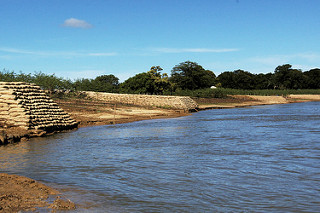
<point>21,193</point>
<point>254,100</point>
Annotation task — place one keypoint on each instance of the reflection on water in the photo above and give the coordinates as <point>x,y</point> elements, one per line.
<point>264,158</point>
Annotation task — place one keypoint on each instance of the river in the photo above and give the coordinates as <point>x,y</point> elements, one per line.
<point>255,159</point>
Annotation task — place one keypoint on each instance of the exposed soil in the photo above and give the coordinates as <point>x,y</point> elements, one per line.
<point>21,193</point>
<point>93,112</point>
<point>252,100</point>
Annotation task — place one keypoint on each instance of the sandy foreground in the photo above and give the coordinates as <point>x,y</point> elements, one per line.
<point>22,193</point>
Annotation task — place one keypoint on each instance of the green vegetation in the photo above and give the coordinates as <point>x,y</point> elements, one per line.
<point>190,76</point>
<point>151,82</point>
<point>187,79</point>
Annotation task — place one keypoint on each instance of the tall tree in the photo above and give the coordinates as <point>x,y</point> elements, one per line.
<point>106,83</point>
<point>160,81</point>
<point>288,78</point>
<point>312,78</point>
<point>190,75</point>
<point>238,79</point>
<point>151,82</point>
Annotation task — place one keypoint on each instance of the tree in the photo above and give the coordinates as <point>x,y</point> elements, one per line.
<point>151,82</point>
<point>190,75</point>
<point>264,81</point>
<point>312,79</point>
<point>160,81</point>
<point>140,83</point>
<point>238,79</point>
<point>226,80</point>
<point>288,78</point>
<point>50,82</point>
<point>84,84</point>
<point>106,83</point>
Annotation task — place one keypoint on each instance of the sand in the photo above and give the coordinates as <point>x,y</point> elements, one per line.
<point>21,193</point>
<point>254,100</point>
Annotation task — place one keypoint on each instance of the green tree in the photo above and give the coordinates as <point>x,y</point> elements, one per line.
<point>50,82</point>
<point>106,83</point>
<point>190,75</point>
<point>84,84</point>
<point>264,81</point>
<point>151,82</point>
<point>138,84</point>
<point>238,79</point>
<point>7,75</point>
<point>160,82</point>
<point>312,79</point>
<point>288,78</point>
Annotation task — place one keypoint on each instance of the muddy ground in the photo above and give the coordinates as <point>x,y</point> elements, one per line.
<point>21,193</point>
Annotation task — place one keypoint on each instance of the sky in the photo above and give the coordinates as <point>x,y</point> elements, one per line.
<point>86,38</point>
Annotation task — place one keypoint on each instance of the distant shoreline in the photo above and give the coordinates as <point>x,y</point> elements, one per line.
<point>255,100</point>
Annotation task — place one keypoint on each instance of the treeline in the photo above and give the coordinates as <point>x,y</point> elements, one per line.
<point>284,77</point>
<point>185,77</point>
<point>103,83</point>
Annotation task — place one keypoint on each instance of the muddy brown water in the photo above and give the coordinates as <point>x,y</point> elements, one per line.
<point>255,159</point>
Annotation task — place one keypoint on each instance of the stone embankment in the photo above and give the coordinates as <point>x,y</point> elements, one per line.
<point>26,106</point>
<point>171,102</point>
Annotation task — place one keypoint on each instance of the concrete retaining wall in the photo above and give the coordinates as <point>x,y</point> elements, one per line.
<point>27,106</point>
<point>174,102</point>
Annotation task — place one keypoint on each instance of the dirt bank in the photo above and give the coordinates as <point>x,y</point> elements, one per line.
<point>93,112</point>
<point>252,100</point>
<point>21,193</point>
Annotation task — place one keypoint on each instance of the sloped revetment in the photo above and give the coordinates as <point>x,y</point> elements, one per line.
<point>26,106</point>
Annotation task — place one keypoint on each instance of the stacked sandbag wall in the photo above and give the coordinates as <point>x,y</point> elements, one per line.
<point>173,102</point>
<point>27,106</point>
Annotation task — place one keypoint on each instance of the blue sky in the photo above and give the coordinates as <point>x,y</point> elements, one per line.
<point>88,38</point>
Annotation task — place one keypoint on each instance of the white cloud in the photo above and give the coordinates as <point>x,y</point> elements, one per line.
<point>271,60</point>
<point>76,23</point>
<point>102,54</point>
<point>193,50</point>
<point>277,60</point>
<point>19,51</point>
<point>56,53</point>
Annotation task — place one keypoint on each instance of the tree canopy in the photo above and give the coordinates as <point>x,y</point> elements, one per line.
<point>190,75</point>
<point>151,82</point>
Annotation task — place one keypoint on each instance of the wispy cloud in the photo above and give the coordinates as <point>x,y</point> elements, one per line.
<point>282,59</point>
<point>56,53</point>
<point>76,23</point>
<point>19,51</point>
<point>194,50</point>
<point>102,54</point>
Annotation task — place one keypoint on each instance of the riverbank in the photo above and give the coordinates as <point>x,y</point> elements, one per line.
<point>88,112</point>
<point>252,100</point>
<point>20,193</point>
<point>94,112</point>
